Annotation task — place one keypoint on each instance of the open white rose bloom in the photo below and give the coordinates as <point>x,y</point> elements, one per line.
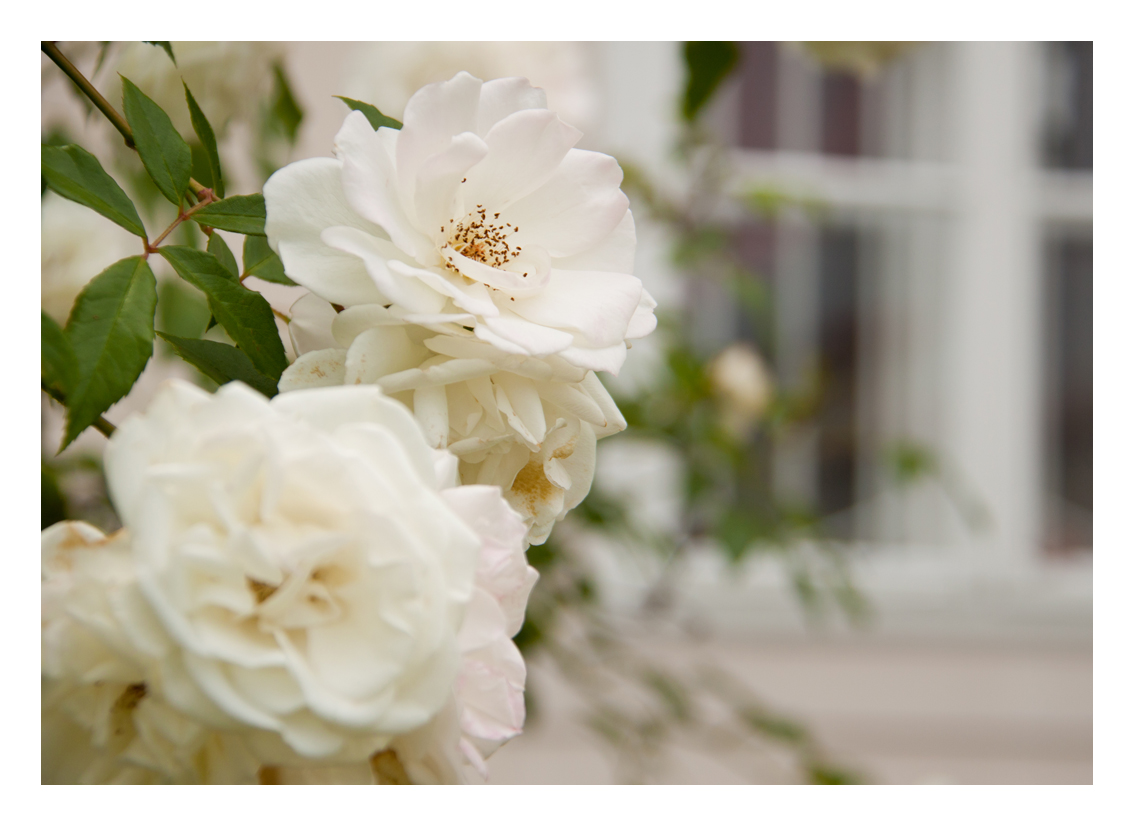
<point>477,267</point>
<point>477,219</point>
<point>299,583</point>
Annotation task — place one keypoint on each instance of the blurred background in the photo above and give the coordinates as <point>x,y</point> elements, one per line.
<point>847,536</point>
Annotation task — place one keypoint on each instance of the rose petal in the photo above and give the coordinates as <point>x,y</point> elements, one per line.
<point>596,306</point>
<point>524,150</point>
<point>302,200</point>
<point>369,182</point>
<point>310,325</point>
<point>315,369</point>
<point>575,209</point>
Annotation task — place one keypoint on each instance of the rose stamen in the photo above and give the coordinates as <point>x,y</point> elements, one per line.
<point>482,239</point>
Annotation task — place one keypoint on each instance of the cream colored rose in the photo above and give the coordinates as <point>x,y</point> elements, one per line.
<point>524,424</point>
<point>742,385</point>
<point>302,560</point>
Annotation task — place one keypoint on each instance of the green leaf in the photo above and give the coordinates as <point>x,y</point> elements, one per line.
<point>76,174</point>
<point>222,363</point>
<point>708,63</point>
<point>182,310</point>
<point>208,141</point>
<point>244,314</point>
<point>165,46</point>
<point>285,111</point>
<point>260,261</point>
<point>375,117</point>
<point>237,214</point>
<point>112,331</point>
<point>220,249</point>
<point>58,366</point>
<point>165,155</point>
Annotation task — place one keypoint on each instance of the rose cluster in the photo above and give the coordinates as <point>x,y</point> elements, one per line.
<point>332,578</point>
<point>477,267</point>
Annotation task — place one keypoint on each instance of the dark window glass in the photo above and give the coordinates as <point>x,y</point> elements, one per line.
<point>1068,105</point>
<point>842,111</point>
<point>1069,392</point>
<point>839,351</point>
<point>758,94</point>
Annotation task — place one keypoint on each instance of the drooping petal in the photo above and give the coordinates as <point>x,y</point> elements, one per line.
<point>472,297</point>
<point>444,373</point>
<point>378,352</point>
<point>573,400</point>
<point>354,320</point>
<point>528,338</point>
<point>525,403</point>
<point>315,369</point>
<point>609,359</point>
<point>643,321</point>
<point>611,413</point>
<point>596,306</point>
<point>310,327</point>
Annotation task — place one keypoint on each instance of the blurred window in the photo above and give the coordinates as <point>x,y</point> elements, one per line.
<point>857,288</point>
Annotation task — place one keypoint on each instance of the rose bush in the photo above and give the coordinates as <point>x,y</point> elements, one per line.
<point>478,218</point>
<point>527,425</point>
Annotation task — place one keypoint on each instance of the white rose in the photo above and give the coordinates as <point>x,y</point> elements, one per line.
<point>302,558</point>
<point>103,720</point>
<point>301,584</point>
<point>527,425</point>
<point>477,219</point>
<point>742,385</point>
<point>76,244</point>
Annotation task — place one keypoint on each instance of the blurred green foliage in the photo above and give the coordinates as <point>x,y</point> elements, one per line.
<point>708,63</point>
